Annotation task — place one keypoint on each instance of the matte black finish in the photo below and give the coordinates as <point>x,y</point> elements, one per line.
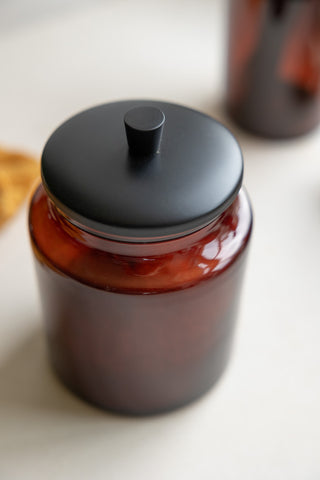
<point>144,130</point>
<point>89,171</point>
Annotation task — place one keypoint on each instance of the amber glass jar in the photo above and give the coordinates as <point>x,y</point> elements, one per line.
<point>137,324</point>
<point>274,66</point>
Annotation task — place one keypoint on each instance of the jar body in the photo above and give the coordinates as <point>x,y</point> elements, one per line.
<point>139,328</point>
<point>274,66</point>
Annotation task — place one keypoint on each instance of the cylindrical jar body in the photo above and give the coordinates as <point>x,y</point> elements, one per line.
<point>139,328</point>
<point>274,66</point>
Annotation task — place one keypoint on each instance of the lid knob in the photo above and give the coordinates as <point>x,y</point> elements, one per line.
<point>144,127</point>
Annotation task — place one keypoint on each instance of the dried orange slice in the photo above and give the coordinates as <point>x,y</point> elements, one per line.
<point>18,171</point>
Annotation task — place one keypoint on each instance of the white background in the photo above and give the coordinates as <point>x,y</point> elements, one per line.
<point>262,421</point>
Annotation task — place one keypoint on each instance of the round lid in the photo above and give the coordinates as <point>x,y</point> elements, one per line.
<point>142,169</point>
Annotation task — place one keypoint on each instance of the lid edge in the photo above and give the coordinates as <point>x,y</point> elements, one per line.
<point>141,235</point>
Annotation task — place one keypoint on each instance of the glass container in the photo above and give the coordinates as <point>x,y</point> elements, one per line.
<point>274,66</point>
<point>140,309</point>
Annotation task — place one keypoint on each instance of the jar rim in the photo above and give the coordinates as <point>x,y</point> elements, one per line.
<point>141,235</point>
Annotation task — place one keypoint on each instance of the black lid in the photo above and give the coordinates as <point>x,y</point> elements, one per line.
<point>142,169</point>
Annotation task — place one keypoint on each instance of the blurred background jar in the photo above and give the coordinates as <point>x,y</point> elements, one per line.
<point>274,66</point>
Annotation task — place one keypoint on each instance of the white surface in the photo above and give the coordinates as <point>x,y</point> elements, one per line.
<point>262,421</point>
<point>16,13</point>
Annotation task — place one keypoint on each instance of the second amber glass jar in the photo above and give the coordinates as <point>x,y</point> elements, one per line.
<point>140,323</point>
<point>274,66</point>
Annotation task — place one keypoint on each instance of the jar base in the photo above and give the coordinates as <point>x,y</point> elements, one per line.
<point>269,133</point>
<point>127,412</point>
<point>118,404</point>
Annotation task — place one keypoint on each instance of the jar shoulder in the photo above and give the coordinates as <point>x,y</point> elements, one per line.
<point>170,265</point>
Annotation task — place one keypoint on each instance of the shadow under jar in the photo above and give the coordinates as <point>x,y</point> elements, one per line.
<point>274,66</point>
<point>140,314</point>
